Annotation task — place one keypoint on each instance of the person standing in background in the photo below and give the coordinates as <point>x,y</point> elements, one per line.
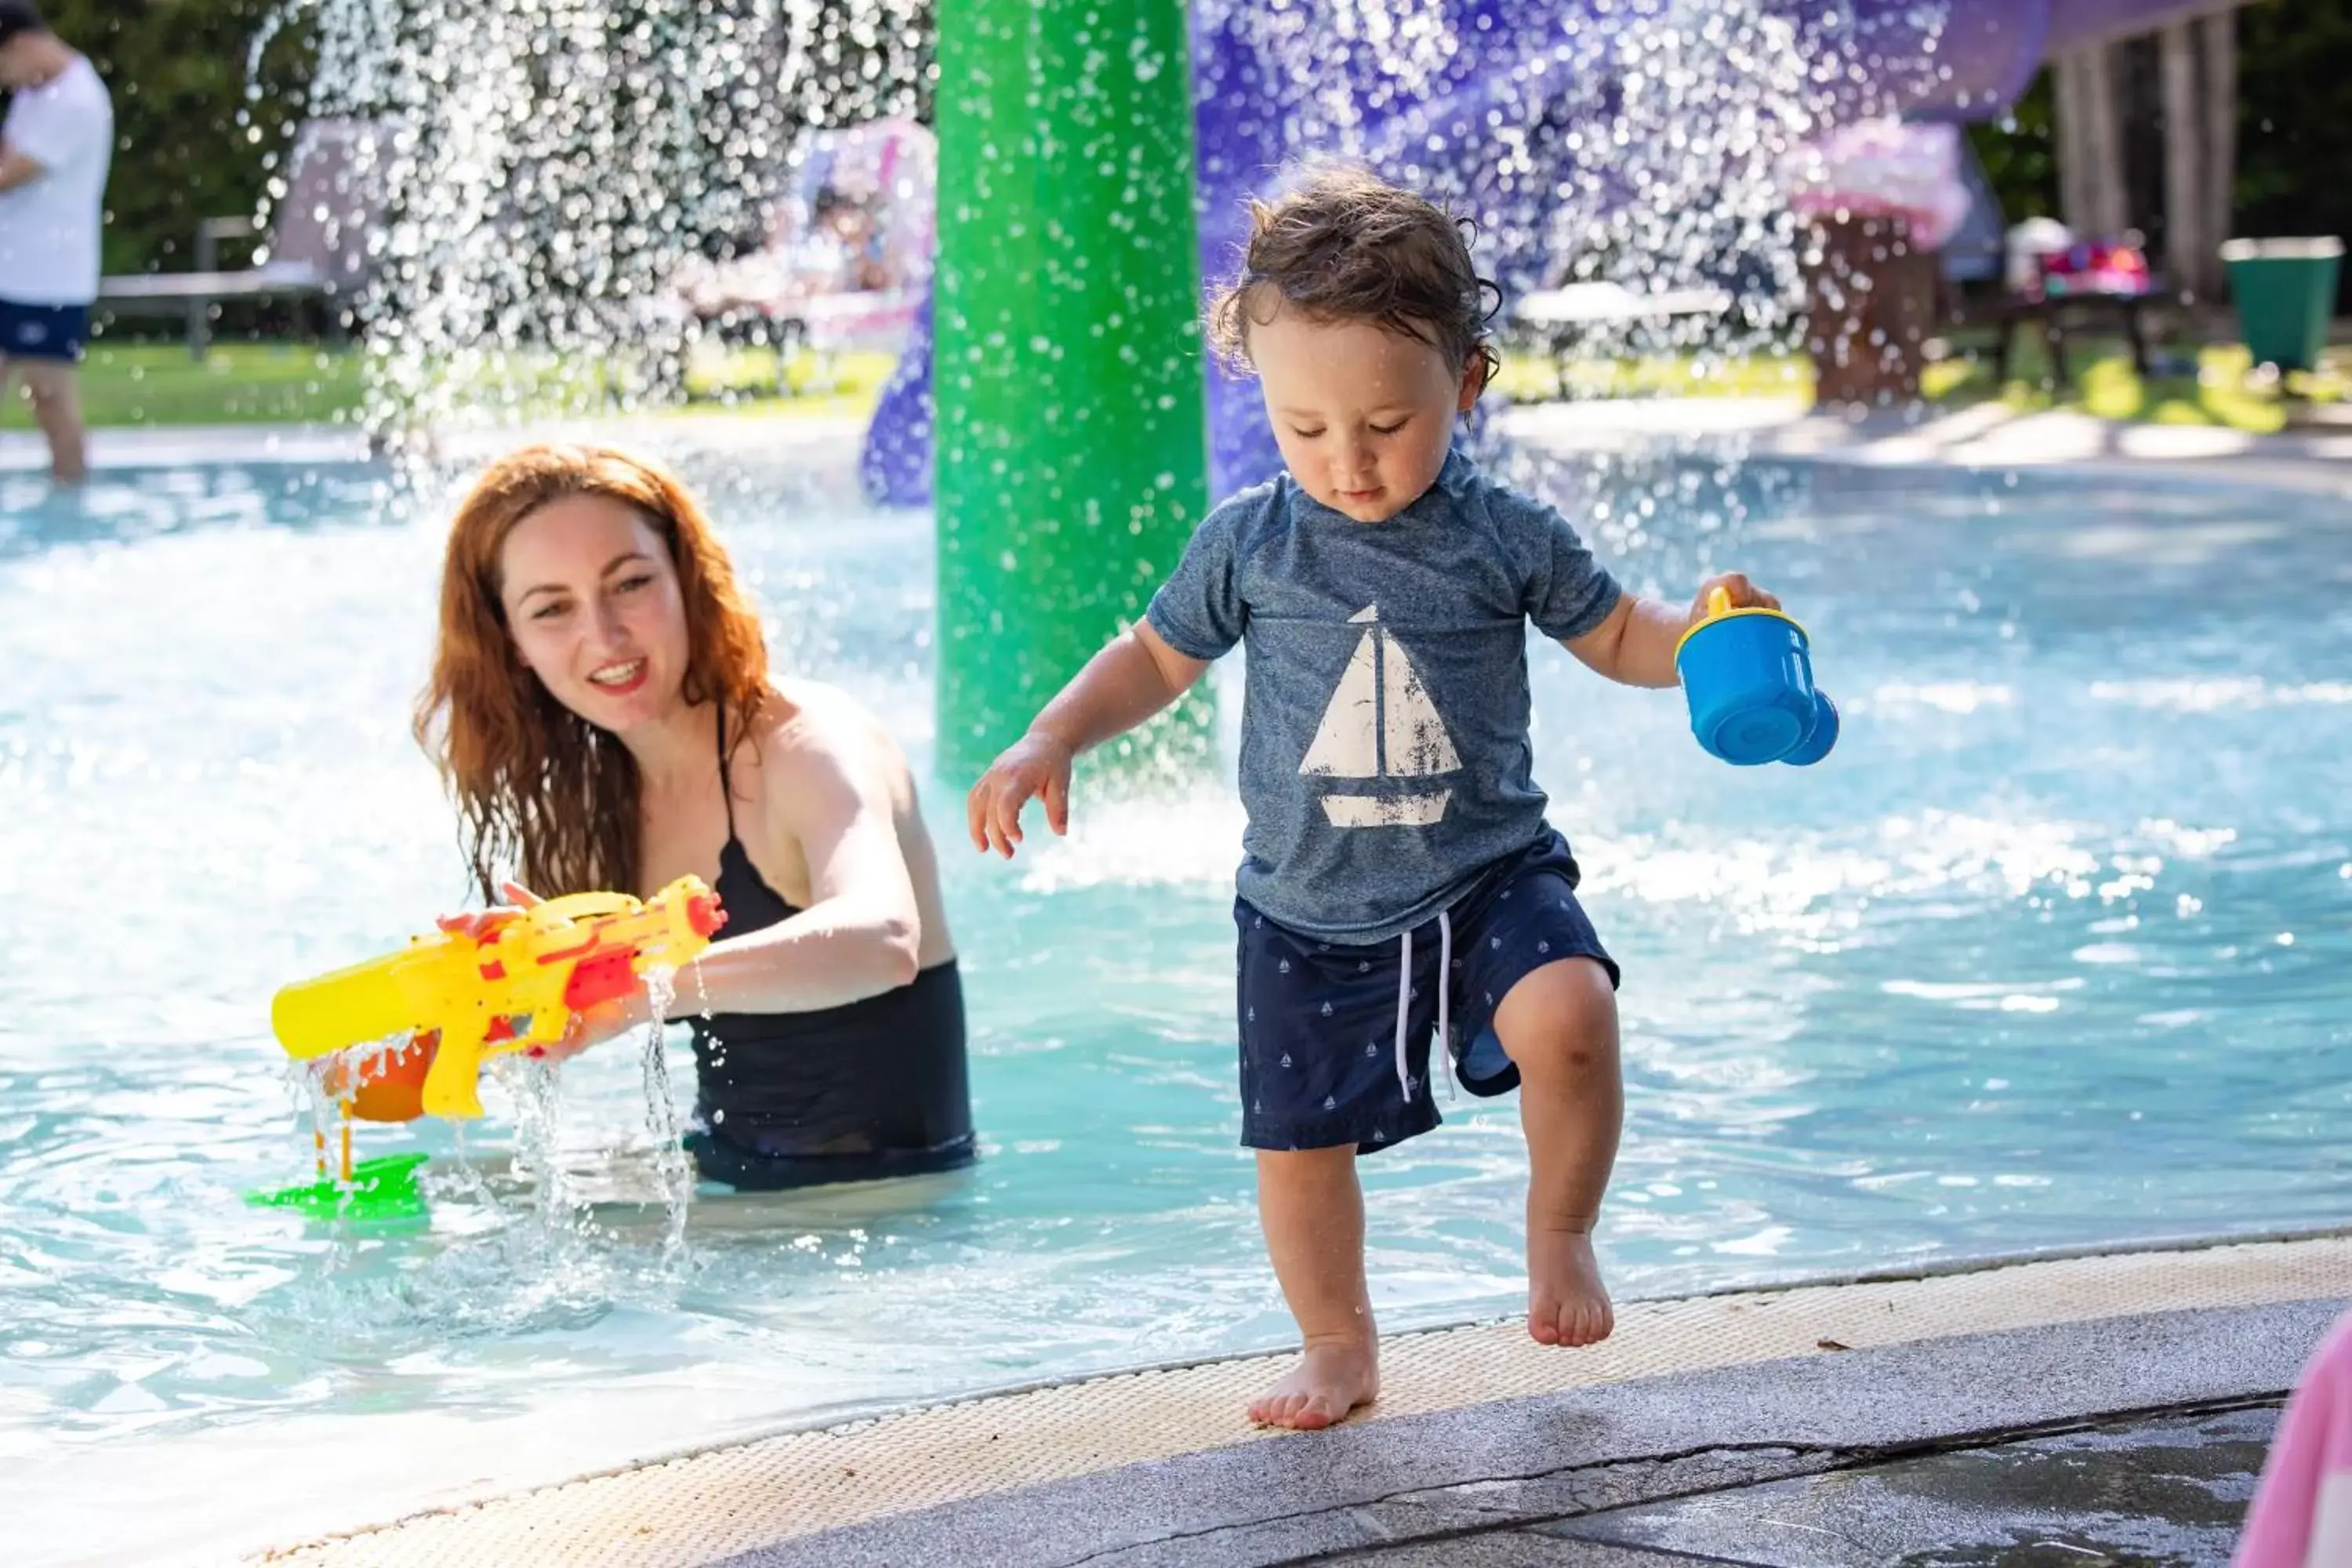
<point>55,146</point>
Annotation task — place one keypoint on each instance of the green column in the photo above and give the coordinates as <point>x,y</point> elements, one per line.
<point>1072,454</point>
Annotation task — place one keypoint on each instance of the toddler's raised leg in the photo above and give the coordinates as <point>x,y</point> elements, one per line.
<point>1560,1025</point>
<point>1313,1213</point>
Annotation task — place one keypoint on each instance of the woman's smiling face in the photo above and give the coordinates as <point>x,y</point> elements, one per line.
<point>591,598</point>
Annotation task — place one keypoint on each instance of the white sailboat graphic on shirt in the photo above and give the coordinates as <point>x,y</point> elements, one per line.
<point>1380,724</point>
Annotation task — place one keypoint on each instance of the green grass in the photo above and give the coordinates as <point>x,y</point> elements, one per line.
<point>752,381</point>
<point>240,384</point>
<point>135,384</point>
<point>1536,376</point>
<point>2222,391</point>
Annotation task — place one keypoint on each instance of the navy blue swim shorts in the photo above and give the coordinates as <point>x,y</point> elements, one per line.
<point>1329,1052</point>
<point>43,331</point>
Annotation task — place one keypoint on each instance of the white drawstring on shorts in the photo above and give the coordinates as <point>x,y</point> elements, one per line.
<point>1404,1002</point>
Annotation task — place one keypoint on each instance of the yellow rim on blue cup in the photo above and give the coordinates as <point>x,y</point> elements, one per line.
<point>1719,608</point>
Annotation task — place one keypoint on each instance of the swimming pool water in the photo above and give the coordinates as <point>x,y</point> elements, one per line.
<point>2052,950</point>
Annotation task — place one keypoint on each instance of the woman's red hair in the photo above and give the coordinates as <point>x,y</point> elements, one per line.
<point>539,789</point>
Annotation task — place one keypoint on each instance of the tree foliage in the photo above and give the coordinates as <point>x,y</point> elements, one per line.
<point>2295,129</point>
<point>206,94</point>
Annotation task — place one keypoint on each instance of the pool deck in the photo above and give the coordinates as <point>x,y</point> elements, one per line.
<point>263,446</point>
<point>22,452</point>
<point>2107,1407</point>
<point>1985,435</point>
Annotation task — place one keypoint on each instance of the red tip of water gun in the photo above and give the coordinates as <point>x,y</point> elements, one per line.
<point>703,913</point>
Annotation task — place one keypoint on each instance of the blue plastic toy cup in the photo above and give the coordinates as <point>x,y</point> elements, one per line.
<point>1747,675</point>
<point>1820,738</point>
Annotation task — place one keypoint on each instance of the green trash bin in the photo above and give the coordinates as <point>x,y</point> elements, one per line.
<point>2285,291</point>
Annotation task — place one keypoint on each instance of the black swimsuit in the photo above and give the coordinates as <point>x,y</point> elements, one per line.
<point>868,1089</point>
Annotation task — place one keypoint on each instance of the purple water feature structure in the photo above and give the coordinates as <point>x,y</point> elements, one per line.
<point>1641,136</point>
<point>894,464</point>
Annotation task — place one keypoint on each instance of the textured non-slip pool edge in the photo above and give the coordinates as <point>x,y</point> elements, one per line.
<point>744,1496</point>
<point>1430,1481</point>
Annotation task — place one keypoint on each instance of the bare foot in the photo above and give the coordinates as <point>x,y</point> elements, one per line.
<point>1567,1304</point>
<point>1329,1380</point>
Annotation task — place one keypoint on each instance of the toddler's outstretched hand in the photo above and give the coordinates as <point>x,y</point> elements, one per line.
<point>1744,594</point>
<point>1036,767</point>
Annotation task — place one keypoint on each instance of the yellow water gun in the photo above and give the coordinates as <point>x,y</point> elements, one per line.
<point>512,984</point>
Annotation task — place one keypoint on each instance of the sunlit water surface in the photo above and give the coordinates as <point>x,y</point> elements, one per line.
<point>2051,952</point>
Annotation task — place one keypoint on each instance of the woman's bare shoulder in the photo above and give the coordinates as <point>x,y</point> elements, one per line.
<point>816,727</point>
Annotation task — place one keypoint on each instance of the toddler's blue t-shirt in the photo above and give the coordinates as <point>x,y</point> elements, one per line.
<point>1385,758</point>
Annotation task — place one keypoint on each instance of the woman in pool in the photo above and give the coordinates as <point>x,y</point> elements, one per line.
<point>601,709</point>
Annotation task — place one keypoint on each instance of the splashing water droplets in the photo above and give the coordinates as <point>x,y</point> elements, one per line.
<point>670,1162</point>
<point>553,167</point>
<point>535,1085</point>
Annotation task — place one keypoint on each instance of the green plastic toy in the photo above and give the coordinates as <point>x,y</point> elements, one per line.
<point>379,1189</point>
